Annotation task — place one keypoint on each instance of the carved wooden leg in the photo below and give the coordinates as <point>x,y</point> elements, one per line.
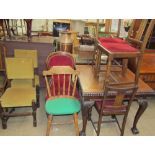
<point>84,118</point>
<point>142,107</point>
<point>49,123</point>
<point>34,114</point>
<point>76,123</point>
<point>85,110</point>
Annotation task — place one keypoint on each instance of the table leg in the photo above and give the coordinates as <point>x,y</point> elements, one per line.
<point>142,107</point>
<point>85,111</point>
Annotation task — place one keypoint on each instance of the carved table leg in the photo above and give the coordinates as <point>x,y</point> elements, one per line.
<point>85,112</point>
<point>142,107</point>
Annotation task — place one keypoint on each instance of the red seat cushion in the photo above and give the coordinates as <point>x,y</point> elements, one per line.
<point>119,47</point>
<point>109,108</point>
<point>111,40</point>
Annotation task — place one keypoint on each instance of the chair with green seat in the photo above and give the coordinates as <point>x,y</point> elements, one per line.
<point>3,79</point>
<point>18,97</point>
<point>26,53</point>
<point>61,97</point>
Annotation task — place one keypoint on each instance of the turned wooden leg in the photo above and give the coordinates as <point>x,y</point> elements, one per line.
<point>76,123</point>
<point>49,123</point>
<point>34,114</point>
<point>142,107</point>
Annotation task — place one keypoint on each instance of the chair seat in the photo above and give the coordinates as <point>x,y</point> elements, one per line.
<point>109,108</point>
<point>18,97</point>
<point>25,83</point>
<point>62,106</point>
<point>119,47</point>
<point>112,40</point>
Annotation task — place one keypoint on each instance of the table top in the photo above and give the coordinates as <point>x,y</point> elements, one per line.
<point>93,85</point>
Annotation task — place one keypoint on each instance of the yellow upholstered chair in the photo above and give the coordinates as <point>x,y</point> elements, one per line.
<point>18,97</point>
<point>32,54</point>
<point>3,79</point>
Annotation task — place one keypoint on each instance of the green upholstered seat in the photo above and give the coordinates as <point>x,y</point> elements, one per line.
<point>62,106</point>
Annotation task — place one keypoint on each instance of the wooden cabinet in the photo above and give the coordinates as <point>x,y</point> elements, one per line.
<point>147,70</point>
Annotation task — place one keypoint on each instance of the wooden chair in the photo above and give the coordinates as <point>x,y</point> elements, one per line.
<point>18,97</point>
<point>32,54</point>
<point>133,38</point>
<point>60,59</point>
<point>61,94</point>
<point>118,105</point>
<point>123,51</point>
<point>3,78</point>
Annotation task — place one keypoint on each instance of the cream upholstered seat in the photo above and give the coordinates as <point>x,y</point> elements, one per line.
<point>18,97</point>
<point>26,96</point>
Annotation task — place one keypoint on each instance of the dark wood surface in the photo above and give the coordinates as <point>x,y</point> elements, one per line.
<point>92,84</point>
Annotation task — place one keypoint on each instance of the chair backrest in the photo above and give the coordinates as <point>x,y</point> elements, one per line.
<point>60,59</point>
<point>120,93</point>
<point>63,81</point>
<point>3,52</point>
<point>19,68</point>
<point>25,53</point>
<point>137,28</point>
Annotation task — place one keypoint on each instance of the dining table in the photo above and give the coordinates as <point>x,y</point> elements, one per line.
<point>91,88</point>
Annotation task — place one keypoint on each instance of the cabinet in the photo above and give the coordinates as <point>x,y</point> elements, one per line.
<point>147,69</point>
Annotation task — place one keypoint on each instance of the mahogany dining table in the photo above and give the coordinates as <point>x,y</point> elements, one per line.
<point>92,87</point>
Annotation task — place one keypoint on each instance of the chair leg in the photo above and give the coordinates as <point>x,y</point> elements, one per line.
<point>49,123</point>
<point>3,118</point>
<point>34,114</point>
<point>123,125</point>
<point>99,125</point>
<point>76,123</point>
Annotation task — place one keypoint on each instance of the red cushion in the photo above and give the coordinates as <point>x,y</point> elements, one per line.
<point>111,40</point>
<point>60,60</point>
<point>109,108</point>
<point>118,47</point>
